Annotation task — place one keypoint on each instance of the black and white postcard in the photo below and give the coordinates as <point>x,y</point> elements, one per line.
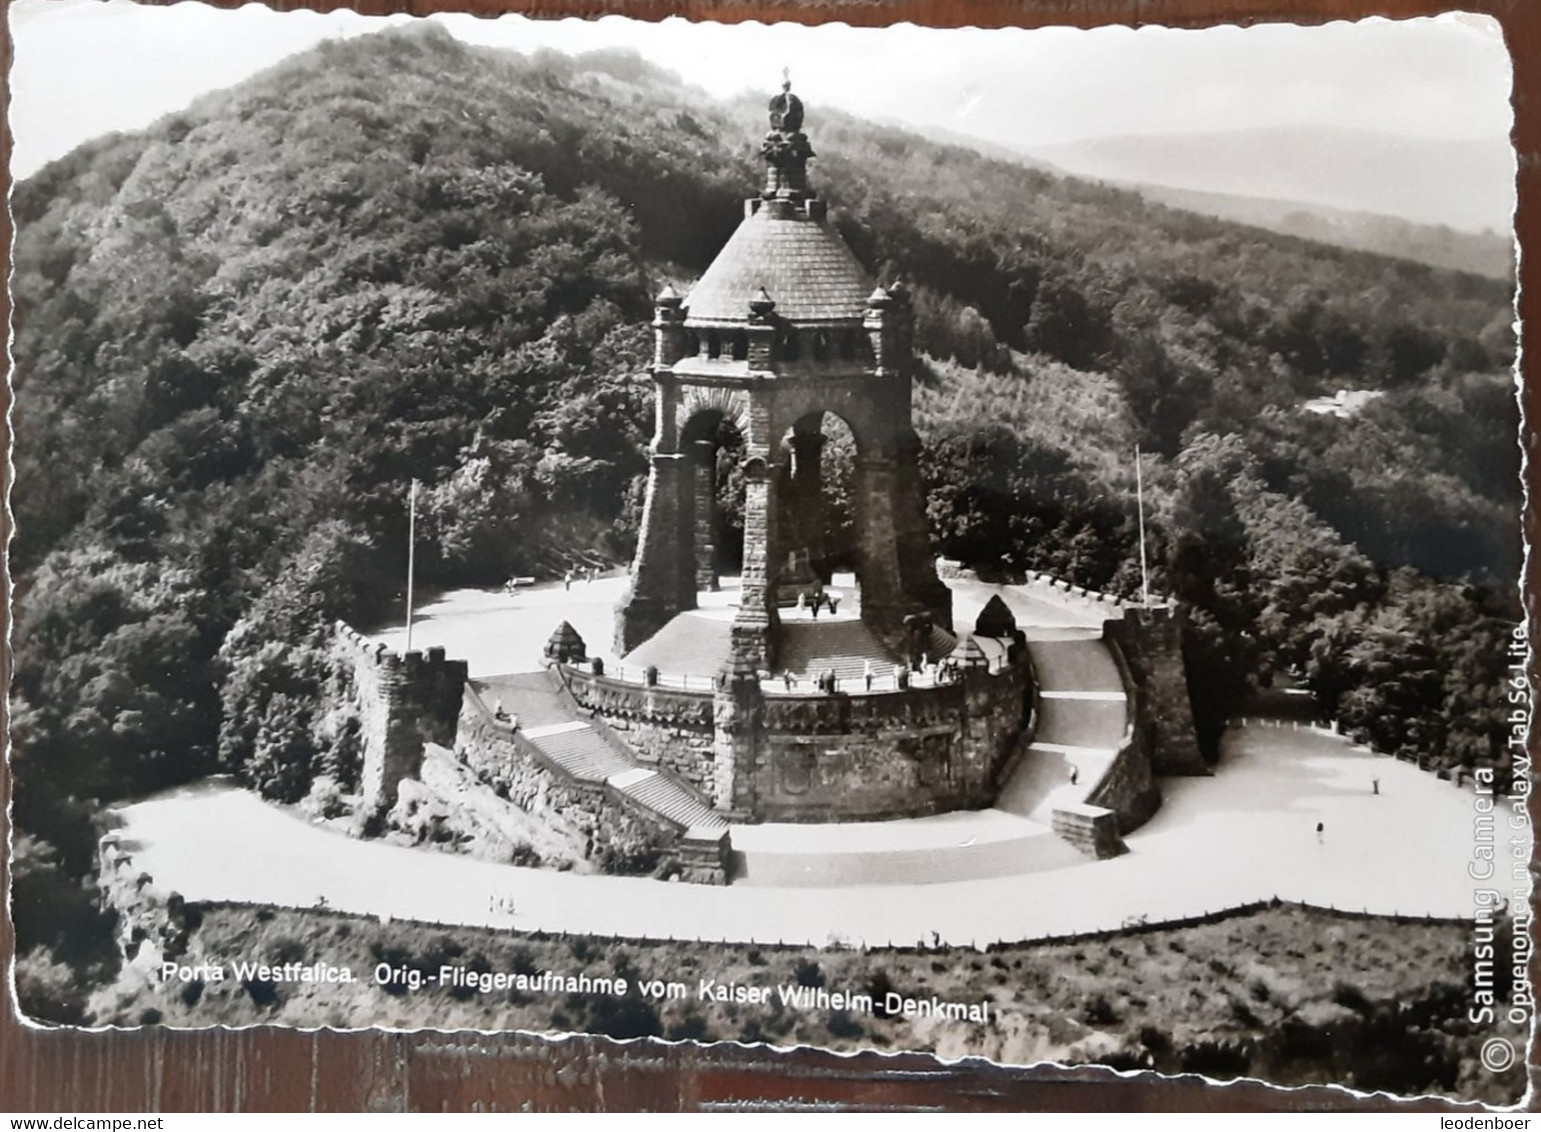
<point>993,543</point>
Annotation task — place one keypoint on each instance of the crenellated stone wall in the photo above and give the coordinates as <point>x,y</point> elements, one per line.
<point>153,924</point>
<point>1147,643</point>
<point>402,701</point>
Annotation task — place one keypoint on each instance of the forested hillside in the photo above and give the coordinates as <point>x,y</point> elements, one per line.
<point>242,332</point>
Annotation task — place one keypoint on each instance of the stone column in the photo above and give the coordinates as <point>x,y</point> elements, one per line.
<point>917,565</point>
<point>663,574</point>
<point>737,711</point>
<point>882,590</point>
<point>754,625</point>
<point>705,454</point>
<point>668,328</point>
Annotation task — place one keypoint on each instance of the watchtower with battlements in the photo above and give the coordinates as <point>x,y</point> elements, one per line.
<point>784,330</point>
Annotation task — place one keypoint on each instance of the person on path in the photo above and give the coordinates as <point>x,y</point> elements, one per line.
<point>567,580</point>
<point>1320,829</point>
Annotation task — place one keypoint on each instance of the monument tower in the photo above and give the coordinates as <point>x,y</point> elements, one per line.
<point>784,328</point>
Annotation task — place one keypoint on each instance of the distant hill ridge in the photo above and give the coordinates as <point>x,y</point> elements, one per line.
<point>1464,184</point>
<point>1434,244</point>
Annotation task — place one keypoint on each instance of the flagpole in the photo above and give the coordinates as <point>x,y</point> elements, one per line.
<point>411,554</point>
<point>1139,495</point>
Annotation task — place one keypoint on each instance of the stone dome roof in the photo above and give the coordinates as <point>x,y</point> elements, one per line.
<point>799,260</point>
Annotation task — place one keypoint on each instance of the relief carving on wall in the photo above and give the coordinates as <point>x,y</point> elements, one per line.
<point>796,765</point>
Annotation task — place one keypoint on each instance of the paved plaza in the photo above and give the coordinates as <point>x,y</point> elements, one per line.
<point>1247,834</point>
<point>1393,839</point>
<point>498,633</point>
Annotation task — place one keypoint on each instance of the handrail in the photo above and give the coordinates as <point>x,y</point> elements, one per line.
<point>772,685</point>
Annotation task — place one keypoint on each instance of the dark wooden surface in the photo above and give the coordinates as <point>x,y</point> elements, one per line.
<point>264,1068</point>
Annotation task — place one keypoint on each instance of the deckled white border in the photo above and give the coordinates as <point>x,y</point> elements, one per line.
<point>1086,1072</point>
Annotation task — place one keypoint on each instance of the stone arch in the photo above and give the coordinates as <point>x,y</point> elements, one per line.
<point>712,440</point>
<point>858,407</point>
<point>810,418</point>
<point>731,405</point>
<point>819,452</point>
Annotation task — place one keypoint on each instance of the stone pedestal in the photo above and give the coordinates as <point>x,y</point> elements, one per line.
<point>737,719</point>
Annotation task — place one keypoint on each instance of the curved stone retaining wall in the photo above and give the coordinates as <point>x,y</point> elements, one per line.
<point>603,824</point>
<point>823,757</point>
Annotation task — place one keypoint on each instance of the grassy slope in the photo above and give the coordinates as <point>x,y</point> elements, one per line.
<point>1289,995</point>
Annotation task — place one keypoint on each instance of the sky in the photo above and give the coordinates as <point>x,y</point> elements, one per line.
<point>84,68</point>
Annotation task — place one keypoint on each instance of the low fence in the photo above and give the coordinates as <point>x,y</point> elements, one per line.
<point>786,684</point>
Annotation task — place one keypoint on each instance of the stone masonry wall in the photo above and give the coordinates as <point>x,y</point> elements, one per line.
<point>153,923</point>
<point>899,754</point>
<point>1128,788</point>
<point>1149,644</point>
<point>667,729</point>
<point>402,702</point>
<point>608,829</point>
<point>823,757</point>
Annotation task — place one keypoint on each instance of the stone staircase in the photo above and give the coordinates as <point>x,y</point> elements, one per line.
<point>663,795</point>
<point>810,648</point>
<point>555,726</point>
<point>940,643</point>
<point>580,750</point>
<point>1082,720</point>
<point>1040,821</point>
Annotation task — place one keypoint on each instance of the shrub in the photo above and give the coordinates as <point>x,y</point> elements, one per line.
<point>879,986</point>
<point>842,1025</point>
<point>48,990</point>
<point>1346,994</point>
<point>690,1027</point>
<point>325,799</point>
<point>808,973</point>
<point>1099,1011</point>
